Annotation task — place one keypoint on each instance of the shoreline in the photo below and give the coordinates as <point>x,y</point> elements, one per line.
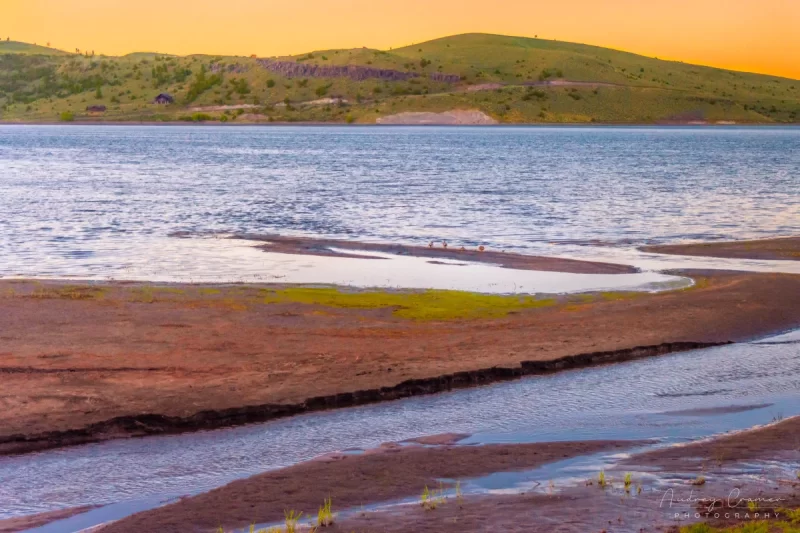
<point>691,124</point>
<point>24,523</point>
<point>166,374</point>
<point>512,260</point>
<point>778,248</point>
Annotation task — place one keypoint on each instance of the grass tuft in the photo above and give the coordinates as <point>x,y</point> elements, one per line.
<point>325,516</point>
<point>290,520</point>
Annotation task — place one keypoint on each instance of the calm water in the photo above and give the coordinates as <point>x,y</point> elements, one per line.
<point>101,201</point>
<point>641,399</point>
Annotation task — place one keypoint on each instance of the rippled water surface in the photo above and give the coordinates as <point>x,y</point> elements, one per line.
<point>96,201</point>
<point>642,399</point>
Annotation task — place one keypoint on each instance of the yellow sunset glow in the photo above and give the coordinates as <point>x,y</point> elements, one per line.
<point>750,35</point>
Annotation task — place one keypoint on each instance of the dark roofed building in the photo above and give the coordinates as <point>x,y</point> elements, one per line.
<point>164,98</point>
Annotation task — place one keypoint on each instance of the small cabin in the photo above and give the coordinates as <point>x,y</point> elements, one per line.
<point>164,99</point>
<point>96,109</point>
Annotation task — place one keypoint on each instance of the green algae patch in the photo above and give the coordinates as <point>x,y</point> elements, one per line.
<point>69,292</point>
<point>412,305</point>
<point>209,291</point>
<point>619,295</point>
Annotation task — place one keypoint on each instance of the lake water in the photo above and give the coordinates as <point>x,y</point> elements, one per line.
<point>101,201</point>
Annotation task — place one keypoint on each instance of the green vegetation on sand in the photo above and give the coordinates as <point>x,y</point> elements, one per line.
<point>510,79</point>
<point>415,305</point>
<point>788,522</point>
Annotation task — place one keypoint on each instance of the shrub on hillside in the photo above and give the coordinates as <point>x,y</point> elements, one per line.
<point>201,84</point>
<point>201,117</point>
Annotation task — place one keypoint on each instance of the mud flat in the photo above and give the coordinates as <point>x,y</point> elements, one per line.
<point>379,490</point>
<point>86,363</point>
<point>338,248</point>
<point>774,441</point>
<point>785,248</point>
<point>352,481</point>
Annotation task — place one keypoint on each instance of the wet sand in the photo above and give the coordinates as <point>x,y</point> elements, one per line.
<point>118,360</point>
<point>775,441</point>
<point>351,481</point>
<point>470,252</point>
<point>23,523</point>
<point>586,507</point>
<point>787,248</point>
<point>393,472</point>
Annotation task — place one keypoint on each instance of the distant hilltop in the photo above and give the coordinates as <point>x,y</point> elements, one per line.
<point>493,78</point>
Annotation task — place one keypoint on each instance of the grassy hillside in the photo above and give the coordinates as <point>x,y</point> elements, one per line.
<point>16,47</point>
<point>512,79</point>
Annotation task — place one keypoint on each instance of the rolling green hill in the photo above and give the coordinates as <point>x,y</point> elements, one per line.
<point>16,47</point>
<point>511,79</point>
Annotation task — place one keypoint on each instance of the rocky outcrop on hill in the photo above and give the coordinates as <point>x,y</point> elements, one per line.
<point>445,78</point>
<point>293,69</point>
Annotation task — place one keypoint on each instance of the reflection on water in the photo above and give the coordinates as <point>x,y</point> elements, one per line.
<point>617,401</point>
<point>98,199</point>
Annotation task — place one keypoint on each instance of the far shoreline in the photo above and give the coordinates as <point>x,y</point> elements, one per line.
<point>365,125</point>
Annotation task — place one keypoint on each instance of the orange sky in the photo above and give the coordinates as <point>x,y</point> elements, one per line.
<point>752,35</point>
